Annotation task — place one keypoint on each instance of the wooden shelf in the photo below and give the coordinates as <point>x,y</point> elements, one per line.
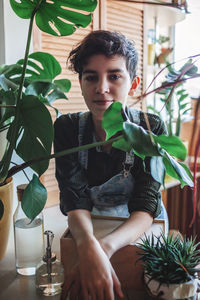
<point>166,16</point>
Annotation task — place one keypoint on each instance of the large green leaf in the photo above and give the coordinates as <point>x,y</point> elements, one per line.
<point>37,88</point>
<point>41,66</point>
<point>4,82</point>
<point>122,144</point>
<point>11,76</point>
<point>51,16</point>
<point>187,170</point>
<point>112,121</point>
<point>140,140</point>
<point>173,145</point>
<point>55,95</point>
<point>157,169</point>
<point>63,84</point>
<point>176,170</point>
<point>37,137</point>
<point>24,8</point>
<point>34,198</point>
<point>50,91</point>
<point>1,209</point>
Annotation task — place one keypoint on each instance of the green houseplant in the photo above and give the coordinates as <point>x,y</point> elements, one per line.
<point>175,99</point>
<point>170,265</point>
<point>26,85</point>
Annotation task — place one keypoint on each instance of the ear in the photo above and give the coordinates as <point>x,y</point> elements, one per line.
<point>135,84</point>
<point>80,81</point>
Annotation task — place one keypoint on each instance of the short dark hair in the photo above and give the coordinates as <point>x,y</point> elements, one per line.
<point>107,43</point>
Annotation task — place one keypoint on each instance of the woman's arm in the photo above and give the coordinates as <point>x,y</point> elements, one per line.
<point>128,232</point>
<point>71,177</point>
<point>97,277</point>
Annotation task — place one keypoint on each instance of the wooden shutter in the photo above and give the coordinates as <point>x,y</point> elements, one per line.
<point>127,18</point>
<point>111,15</point>
<point>60,47</point>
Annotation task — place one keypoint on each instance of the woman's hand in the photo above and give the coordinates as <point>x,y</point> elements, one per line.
<point>94,275</point>
<point>72,284</point>
<point>98,278</point>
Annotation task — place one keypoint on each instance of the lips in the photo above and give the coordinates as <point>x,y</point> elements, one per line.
<point>102,102</point>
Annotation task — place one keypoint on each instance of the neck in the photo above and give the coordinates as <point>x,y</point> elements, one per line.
<point>99,131</point>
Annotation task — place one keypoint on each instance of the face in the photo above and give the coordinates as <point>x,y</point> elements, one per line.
<point>105,80</point>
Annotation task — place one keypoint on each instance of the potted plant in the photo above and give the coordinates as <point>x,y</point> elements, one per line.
<point>175,99</point>
<point>27,88</point>
<point>170,266</point>
<point>164,51</point>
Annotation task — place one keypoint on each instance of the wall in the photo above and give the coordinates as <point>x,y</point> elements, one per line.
<point>2,40</point>
<point>15,31</point>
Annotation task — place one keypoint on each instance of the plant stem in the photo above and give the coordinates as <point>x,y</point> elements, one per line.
<point>5,127</point>
<point>22,171</point>
<point>178,123</point>
<point>7,106</point>
<point>169,100</point>
<point>18,168</point>
<point>164,86</point>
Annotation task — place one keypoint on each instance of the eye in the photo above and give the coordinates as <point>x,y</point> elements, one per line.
<point>91,78</point>
<point>114,77</point>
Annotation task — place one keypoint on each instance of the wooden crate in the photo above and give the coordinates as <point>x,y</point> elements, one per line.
<point>124,261</point>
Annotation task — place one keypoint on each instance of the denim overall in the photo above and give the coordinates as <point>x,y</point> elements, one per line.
<point>111,198</point>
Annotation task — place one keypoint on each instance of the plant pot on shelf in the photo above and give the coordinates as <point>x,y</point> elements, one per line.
<point>173,291</point>
<point>6,196</point>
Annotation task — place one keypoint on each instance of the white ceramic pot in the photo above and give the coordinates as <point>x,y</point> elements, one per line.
<point>173,291</point>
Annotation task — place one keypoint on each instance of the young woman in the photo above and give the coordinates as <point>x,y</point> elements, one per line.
<point>96,180</point>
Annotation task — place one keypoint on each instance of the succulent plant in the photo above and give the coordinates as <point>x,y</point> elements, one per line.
<point>169,260</point>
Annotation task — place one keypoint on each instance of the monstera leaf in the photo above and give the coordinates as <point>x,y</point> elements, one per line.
<point>34,198</point>
<point>37,132</point>
<point>56,17</point>
<point>41,66</point>
<point>52,91</point>
<point>42,69</point>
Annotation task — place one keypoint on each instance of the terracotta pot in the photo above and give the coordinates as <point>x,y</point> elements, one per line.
<point>6,196</point>
<point>173,291</point>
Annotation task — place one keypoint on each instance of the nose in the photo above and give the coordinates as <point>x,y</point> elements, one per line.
<point>102,86</point>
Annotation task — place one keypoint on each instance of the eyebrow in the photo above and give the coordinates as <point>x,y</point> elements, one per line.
<point>86,71</point>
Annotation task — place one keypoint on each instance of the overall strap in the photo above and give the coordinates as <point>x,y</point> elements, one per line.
<point>83,154</point>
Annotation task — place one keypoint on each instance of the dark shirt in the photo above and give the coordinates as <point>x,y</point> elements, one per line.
<point>75,182</point>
